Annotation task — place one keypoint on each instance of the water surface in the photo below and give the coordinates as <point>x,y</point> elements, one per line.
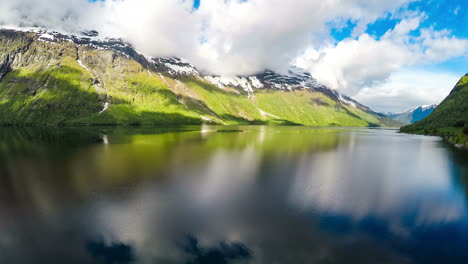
<point>230,195</point>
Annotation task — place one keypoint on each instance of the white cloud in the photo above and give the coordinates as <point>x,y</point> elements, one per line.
<point>155,28</point>
<point>366,62</point>
<point>354,63</point>
<point>239,37</point>
<point>245,37</point>
<point>158,28</point>
<point>56,14</point>
<point>440,46</point>
<point>248,36</point>
<point>407,89</point>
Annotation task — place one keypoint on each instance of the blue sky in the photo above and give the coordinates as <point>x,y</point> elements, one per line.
<point>439,14</point>
<point>196,3</point>
<point>451,15</point>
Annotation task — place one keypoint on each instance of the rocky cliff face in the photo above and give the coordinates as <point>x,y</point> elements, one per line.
<point>52,78</point>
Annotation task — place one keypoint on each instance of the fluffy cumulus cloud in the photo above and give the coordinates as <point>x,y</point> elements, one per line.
<point>157,28</point>
<point>62,15</point>
<point>380,71</point>
<point>368,61</point>
<point>232,37</point>
<point>249,36</point>
<point>406,89</point>
<point>222,37</point>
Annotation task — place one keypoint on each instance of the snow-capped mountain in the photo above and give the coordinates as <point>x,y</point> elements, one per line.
<point>123,79</point>
<point>413,115</point>
<point>295,79</point>
<point>176,67</point>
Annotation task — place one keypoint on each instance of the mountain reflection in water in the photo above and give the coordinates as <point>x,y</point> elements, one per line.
<point>250,195</point>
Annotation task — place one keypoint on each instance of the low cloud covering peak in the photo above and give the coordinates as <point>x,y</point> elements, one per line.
<point>237,37</point>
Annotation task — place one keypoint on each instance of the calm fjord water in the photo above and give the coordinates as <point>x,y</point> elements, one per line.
<point>230,195</point>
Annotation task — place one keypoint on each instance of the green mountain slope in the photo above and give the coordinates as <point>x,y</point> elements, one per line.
<point>449,119</point>
<point>64,80</point>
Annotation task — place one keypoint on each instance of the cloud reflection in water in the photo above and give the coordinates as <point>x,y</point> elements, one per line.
<point>274,195</point>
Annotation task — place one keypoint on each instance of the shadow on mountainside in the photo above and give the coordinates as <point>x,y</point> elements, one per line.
<point>59,96</point>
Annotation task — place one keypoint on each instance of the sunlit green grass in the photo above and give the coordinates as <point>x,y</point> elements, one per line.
<point>449,119</point>
<point>54,89</point>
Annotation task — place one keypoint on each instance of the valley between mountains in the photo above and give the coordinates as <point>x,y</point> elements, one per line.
<point>449,119</point>
<point>48,78</point>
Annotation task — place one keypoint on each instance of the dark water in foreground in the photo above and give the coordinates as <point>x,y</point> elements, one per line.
<point>231,195</point>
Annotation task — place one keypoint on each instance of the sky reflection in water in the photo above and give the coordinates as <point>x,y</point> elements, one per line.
<point>249,195</point>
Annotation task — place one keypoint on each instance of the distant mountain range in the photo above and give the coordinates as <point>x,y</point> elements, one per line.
<point>413,115</point>
<point>49,78</point>
<point>449,119</point>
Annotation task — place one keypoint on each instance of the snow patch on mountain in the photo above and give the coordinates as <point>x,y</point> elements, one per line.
<point>265,114</point>
<point>47,36</point>
<point>175,66</point>
<point>426,107</point>
<point>295,78</point>
<point>106,106</point>
<point>180,69</point>
<point>414,115</point>
<point>246,83</point>
<point>82,65</point>
<point>255,82</point>
<point>215,81</point>
<point>346,101</point>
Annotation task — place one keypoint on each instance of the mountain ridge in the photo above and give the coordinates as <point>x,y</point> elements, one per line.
<point>414,115</point>
<point>41,72</point>
<point>449,119</point>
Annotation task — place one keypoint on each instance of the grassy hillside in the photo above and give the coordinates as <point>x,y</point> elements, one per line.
<point>63,83</point>
<point>449,119</point>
